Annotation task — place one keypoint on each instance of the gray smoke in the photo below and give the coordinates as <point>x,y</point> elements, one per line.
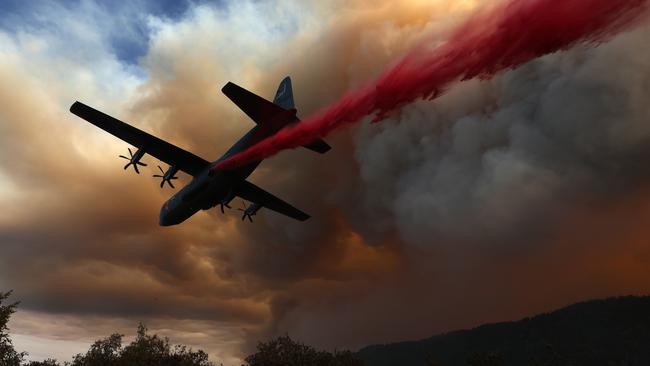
<point>494,160</point>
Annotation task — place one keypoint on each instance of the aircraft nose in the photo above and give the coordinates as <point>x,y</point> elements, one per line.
<point>169,217</point>
<point>165,218</point>
<point>163,221</point>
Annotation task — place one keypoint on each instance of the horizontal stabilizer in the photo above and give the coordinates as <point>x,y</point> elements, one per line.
<point>260,110</point>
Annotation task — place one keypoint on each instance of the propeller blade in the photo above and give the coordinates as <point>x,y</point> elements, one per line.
<point>250,218</point>
<point>222,210</point>
<point>126,166</point>
<point>130,153</point>
<point>124,157</point>
<point>161,170</point>
<point>135,166</point>
<point>171,185</point>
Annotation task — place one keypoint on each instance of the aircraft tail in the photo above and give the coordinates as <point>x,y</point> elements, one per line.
<point>284,98</point>
<point>281,112</point>
<point>284,95</point>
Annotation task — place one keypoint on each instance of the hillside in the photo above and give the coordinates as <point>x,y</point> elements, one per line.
<point>614,331</point>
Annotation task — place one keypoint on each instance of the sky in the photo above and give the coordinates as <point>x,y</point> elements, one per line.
<point>499,200</point>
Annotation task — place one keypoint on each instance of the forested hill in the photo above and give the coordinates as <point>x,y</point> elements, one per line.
<point>614,331</point>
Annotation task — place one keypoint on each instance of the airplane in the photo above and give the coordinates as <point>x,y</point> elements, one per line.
<point>208,189</point>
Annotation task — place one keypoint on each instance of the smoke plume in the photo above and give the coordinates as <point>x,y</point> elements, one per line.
<point>502,38</point>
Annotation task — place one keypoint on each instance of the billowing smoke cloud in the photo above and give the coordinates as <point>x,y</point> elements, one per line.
<point>508,36</point>
<point>528,186</point>
<point>498,156</point>
<point>500,199</point>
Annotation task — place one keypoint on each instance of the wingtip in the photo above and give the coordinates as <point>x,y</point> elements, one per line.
<point>228,85</point>
<point>75,106</point>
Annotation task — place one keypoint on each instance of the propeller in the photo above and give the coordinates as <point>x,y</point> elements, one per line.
<point>134,159</point>
<point>167,176</point>
<point>247,211</point>
<point>222,205</point>
<point>225,201</point>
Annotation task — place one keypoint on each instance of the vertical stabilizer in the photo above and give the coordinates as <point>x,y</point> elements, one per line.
<point>284,96</point>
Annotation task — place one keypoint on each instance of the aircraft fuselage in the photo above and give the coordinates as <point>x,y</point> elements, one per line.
<point>209,189</point>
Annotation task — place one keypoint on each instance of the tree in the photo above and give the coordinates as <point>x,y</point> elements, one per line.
<point>8,355</point>
<point>146,349</point>
<point>103,352</point>
<point>149,350</point>
<point>153,350</point>
<point>283,351</point>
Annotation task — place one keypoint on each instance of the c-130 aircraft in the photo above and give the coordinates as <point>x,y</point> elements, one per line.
<point>209,189</point>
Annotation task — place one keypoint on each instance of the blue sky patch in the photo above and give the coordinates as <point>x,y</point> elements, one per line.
<point>127,32</point>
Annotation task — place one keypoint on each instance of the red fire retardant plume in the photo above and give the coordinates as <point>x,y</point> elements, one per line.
<point>501,38</point>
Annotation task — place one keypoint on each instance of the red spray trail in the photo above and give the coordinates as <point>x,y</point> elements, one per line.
<point>503,38</point>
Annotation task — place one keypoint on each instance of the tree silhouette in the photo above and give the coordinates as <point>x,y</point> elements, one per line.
<point>102,352</point>
<point>8,355</point>
<point>283,351</point>
<point>149,350</point>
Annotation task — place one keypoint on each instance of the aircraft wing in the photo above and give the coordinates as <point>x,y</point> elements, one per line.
<point>152,145</point>
<point>253,193</point>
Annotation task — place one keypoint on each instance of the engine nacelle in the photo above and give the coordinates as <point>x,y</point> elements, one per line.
<point>250,211</point>
<point>253,208</point>
<point>225,202</point>
<point>167,176</point>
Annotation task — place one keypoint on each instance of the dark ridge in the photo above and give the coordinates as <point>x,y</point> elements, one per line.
<point>614,331</point>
